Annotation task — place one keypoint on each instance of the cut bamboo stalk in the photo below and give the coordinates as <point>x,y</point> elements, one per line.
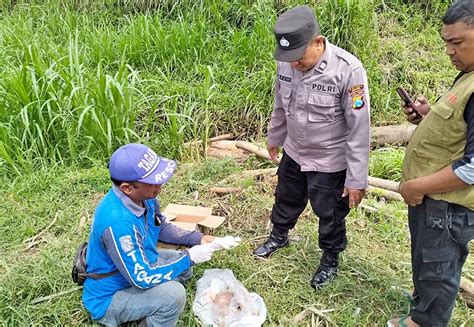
<point>384,183</point>
<point>223,137</point>
<point>389,195</point>
<point>261,152</point>
<point>365,206</point>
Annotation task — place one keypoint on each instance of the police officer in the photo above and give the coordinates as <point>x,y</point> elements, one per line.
<point>321,117</point>
<point>438,178</point>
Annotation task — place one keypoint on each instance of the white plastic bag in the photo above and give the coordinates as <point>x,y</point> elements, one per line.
<point>221,300</point>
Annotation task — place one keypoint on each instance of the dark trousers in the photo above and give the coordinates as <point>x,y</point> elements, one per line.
<point>324,191</point>
<point>440,233</point>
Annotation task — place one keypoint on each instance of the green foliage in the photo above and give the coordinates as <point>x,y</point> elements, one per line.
<point>80,77</point>
<point>386,163</point>
<point>367,292</point>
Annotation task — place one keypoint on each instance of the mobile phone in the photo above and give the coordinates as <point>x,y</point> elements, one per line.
<point>408,101</point>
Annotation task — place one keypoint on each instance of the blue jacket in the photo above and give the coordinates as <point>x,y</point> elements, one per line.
<point>123,237</point>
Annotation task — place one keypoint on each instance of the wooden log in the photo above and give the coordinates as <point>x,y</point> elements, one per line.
<point>225,190</point>
<point>467,291</point>
<point>384,183</point>
<point>226,148</point>
<point>247,146</point>
<point>467,285</point>
<point>391,135</point>
<point>229,136</point>
<point>365,206</point>
<point>389,195</point>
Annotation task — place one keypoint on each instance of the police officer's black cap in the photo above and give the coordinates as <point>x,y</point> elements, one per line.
<point>294,29</point>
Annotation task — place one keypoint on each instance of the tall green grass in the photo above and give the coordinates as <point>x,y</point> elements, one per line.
<point>80,77</point>
<point>374,267</point>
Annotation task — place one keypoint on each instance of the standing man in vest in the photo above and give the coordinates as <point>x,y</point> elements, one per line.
<point>128,278</point>
<point>437,180</point>
<point>321,118</point>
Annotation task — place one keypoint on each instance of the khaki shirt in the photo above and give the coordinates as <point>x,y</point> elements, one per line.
<point>322,116</point>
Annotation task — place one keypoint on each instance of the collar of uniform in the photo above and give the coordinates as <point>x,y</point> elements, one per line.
<point>326,56</point>
<point>127,202</point>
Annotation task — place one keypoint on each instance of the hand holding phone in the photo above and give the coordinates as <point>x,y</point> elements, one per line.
<point>408,101</point>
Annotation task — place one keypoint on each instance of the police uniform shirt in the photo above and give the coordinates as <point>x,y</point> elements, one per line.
<point>322,116</point>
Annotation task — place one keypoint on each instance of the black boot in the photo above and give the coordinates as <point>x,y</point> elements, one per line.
<point>326,271</point>
<point>276,240</point>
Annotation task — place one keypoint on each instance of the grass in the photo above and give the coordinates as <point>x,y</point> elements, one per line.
<point>374,268</point>
<point>81,77</point>
<point>386,163</point>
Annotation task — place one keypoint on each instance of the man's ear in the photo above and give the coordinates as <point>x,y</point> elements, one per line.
<point>319,40</point>
<point>126,188</point>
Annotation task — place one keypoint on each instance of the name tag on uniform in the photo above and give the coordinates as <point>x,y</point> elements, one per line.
<point>285,78</point>
<point>324,88</point>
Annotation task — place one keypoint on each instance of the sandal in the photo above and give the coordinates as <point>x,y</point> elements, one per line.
<point>400,321</point>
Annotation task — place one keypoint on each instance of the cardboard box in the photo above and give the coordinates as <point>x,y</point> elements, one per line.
<point>192,218</point>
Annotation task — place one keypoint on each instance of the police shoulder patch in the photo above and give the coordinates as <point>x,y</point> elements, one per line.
<point>126,243</point>
<point>357,94</point>
<point>357,102</point>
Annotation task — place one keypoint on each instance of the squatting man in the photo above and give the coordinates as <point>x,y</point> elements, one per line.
<point>132,280</point>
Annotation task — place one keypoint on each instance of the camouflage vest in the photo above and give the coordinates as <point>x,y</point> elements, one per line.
<point>440,139</point>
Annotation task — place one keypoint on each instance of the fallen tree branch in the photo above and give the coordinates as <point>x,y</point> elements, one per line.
<point>365,206</point>
<point>37,236</point>
<point>225,190</point>
<point>383,183</point>
<point>389,195</point>
<point>229,136</point>
<point>82,223</point>
<point>261,152</point>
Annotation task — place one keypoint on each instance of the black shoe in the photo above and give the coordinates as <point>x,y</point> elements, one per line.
<point>326,271</point>
<point>323,276</point>
<point>274,242</point>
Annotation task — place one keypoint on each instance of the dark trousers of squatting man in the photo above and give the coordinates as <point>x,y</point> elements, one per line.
<point>440,235</point>
<point>324,191</point>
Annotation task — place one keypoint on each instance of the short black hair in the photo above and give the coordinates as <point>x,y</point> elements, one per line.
<point>460,11</point>
<point>118,182</point>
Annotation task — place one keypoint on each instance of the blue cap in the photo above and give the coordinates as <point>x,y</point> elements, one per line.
<point>137,162</point>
